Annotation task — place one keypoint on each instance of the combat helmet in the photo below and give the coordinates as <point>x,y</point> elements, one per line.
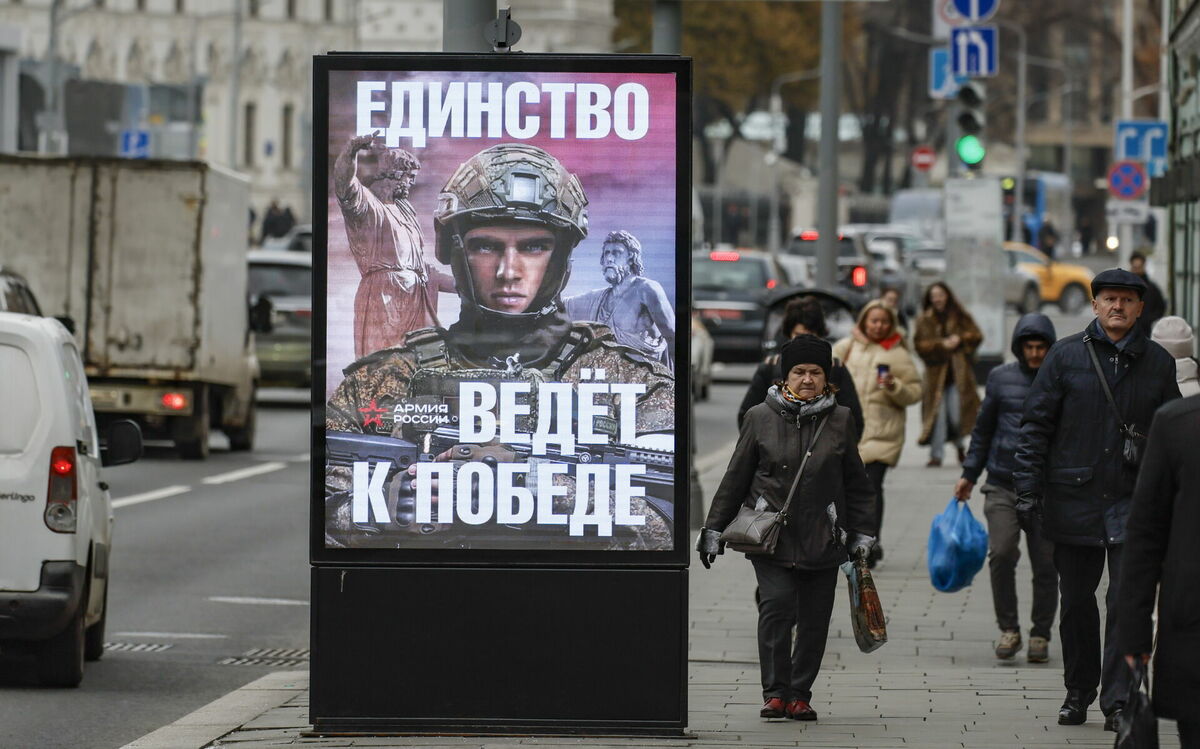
<point>512,182</point>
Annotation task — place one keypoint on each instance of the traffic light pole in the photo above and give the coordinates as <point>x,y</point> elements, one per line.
<point>831,107</point>
<point>1022,105</point>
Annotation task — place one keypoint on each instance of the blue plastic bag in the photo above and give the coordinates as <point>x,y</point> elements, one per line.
<point>957,547</point>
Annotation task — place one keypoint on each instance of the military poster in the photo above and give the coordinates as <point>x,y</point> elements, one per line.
<point>500,334</point>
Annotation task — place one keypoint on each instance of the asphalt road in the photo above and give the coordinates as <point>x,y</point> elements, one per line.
<point>214,567</point>
<point>210,563</point>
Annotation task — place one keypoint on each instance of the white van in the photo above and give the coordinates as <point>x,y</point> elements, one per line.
<point>55,512</point>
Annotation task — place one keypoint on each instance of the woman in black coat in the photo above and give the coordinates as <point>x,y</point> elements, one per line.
<point>834,500</point>
<point>1160,550</point>
<point>800,316</point>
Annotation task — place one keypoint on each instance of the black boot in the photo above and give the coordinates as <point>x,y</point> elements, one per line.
<point>1074,708</point>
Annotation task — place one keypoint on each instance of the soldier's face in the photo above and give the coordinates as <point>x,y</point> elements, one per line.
<point>508,264</point>
<point>614,261</point>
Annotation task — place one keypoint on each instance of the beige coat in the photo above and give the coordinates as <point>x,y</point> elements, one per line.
<point>938,361</point>
<point>883,410</point>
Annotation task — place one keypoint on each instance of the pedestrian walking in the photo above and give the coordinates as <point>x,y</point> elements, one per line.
<point>1175,335</point>
<point>993,445</point>
<point>1161,561</point>
<point>1081,435</point>
<point>1156,303</point>
<point>946,339</point>
<point>796,450</point>
<point>802,316</point>
<point>885,376</point>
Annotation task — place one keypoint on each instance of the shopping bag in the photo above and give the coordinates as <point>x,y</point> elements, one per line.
<point>1137,727</point>
<point>866,613</point>
<point>957,547</point>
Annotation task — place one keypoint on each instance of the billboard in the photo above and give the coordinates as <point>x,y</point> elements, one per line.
<point>499,261</point>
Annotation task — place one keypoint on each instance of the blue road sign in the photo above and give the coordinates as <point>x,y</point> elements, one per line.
<point>976,10</point>
<point>1142,140</point>
<point>1127,180</point>
<point>135,144</point>
<point>974,51</point>
<point>942,85</point>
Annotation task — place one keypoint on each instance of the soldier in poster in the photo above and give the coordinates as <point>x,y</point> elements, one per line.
<point>394,295</point>
<point>635,307</point>
<point>507,222</point>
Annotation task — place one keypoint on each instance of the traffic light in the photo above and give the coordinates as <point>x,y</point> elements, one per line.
<point>971,122</point>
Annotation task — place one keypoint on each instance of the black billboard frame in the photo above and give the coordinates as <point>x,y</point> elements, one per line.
<point>676,558</point>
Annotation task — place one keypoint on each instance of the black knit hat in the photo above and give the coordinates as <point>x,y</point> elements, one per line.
<point>806,349</point>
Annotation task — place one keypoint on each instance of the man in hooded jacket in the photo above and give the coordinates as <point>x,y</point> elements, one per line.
<point>993,445</point>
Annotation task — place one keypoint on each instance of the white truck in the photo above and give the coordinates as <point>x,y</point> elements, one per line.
<point>145,261</point>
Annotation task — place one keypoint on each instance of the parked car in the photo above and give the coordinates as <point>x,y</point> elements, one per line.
<point>285,278</point>
<point>56,515</point>
<point>888,246</point>
<point>298,239</point>
<point>15,294</point>
<point>856,272</point>
<point>728,287</point>
<point>702,359</point>
<point>1064,284</point>
<point>927,264</point>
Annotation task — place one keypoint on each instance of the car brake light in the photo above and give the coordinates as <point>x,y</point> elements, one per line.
<point>724,256</point>
<point>858,276</point>
<point>771,283</point>
<point>809,236</point>
<point>174,401</point>
<point>62,493</point>
<point>302,313</point>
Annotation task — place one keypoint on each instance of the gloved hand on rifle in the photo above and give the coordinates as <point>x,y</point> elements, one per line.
<point>709,545</point>
<point>1029,510</point>
<point>861,545</point>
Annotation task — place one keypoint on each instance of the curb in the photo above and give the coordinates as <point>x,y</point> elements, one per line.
<point>226,714</point>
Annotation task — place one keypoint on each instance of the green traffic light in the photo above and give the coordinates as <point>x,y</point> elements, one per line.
<point>970,149</point>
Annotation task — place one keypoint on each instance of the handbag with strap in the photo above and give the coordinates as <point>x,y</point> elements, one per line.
<point>1137,727</point>
<point>756,531</point>
<point>1131,449</point>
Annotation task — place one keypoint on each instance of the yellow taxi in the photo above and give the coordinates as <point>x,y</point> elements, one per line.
<point>1064,284</point>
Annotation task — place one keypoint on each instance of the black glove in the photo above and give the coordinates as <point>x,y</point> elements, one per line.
<point>709,545</point>
<point>1029,511</point>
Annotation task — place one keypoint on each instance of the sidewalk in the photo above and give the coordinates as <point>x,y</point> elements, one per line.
<point>934,684</point>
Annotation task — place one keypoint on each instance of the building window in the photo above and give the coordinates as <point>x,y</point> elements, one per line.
<point>141,6</point>
<point>285,138</point>
<point>328,10</point>
<point>253,8</point>
<point>248,135</point>
<point>291,10</point>
<point>179,6</point>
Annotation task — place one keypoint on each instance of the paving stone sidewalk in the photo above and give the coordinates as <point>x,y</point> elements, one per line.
<point>935,683</point>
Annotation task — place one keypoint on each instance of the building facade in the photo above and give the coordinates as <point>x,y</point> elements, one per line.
<point>1179,189</point>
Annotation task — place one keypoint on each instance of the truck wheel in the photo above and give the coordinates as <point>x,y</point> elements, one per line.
<point>60,659</point>
<point>93,638</point>
<point>241,438</point>
<point>191,432</point>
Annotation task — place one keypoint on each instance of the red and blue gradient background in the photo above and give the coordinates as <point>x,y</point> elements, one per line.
<point>630,185</point>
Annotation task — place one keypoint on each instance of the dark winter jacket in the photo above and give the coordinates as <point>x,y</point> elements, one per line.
<point>1155,306</point>
<point>1160,549</point>
<point>1069,451</point>
<point>994,439</point>
<point>768,373</point>
<point>764,463</point>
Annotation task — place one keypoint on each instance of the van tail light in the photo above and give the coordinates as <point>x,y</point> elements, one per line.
<point>174,401</point>
<point>62,494</point>
<point>858,276</point>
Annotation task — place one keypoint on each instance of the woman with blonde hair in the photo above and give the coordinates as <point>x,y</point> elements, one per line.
<point>885,376</point>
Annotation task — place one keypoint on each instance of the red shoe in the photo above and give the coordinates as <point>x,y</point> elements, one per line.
<point>772,708</point>
<point>800,710</point>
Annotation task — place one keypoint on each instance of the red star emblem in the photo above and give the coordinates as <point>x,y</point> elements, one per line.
<point>372,414</point>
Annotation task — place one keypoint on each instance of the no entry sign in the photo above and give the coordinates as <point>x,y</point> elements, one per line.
<point>922,158</point>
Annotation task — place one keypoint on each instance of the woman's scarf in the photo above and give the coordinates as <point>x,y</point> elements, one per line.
<point>781,395</point>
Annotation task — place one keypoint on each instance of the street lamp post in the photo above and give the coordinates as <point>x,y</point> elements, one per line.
<point>831,105</point>
<point>1022,65</point>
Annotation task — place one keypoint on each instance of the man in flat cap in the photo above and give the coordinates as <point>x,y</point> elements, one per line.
<point>1084,425</point>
